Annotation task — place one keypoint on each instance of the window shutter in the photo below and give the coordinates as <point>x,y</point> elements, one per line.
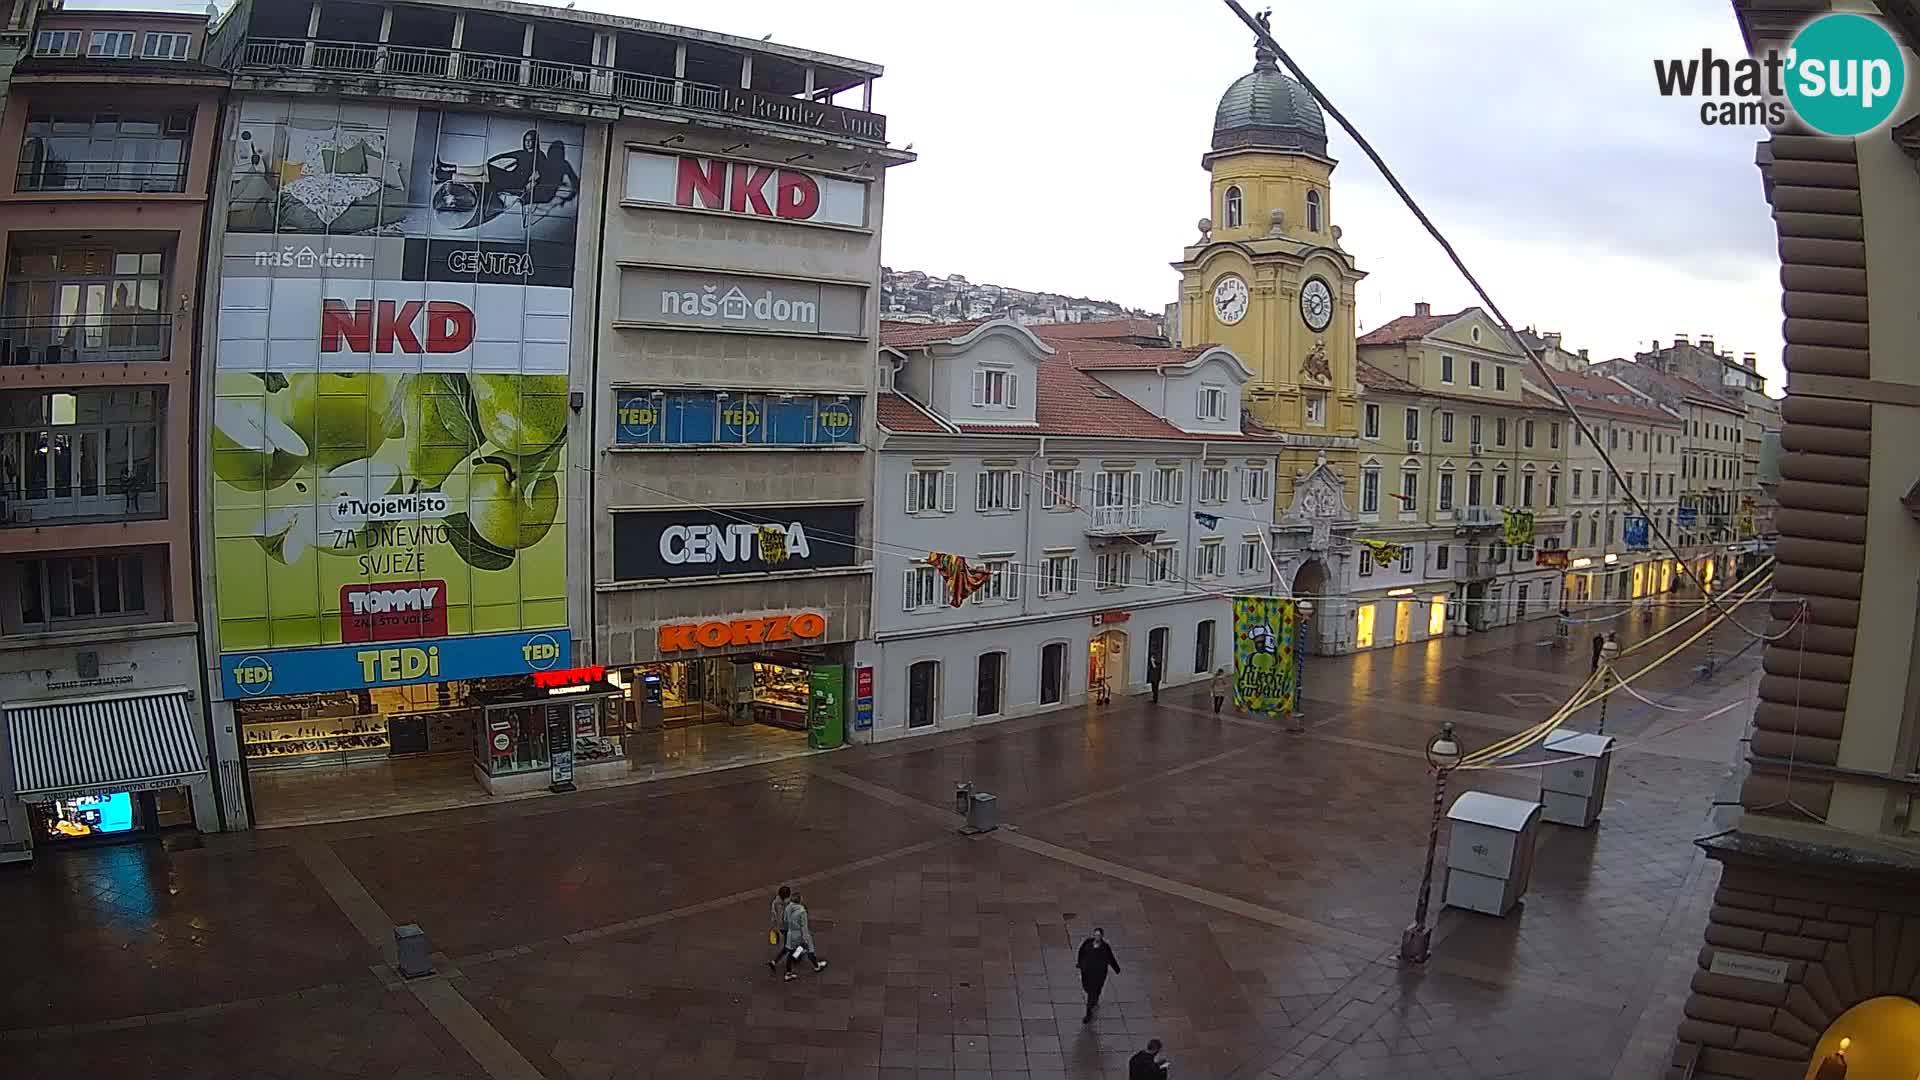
<point>1013,389</point>
<point>913,492</point>
<point>907,590</point>
<point>979,386</point>
<point>1073,575</point>
<point>946,490</point>
<point>1075,498</point>
<point>1133,484</point>
<point>1016,485</point>
<point>1179,487</point>
<point>980,489</point>
<point>1013,580</point>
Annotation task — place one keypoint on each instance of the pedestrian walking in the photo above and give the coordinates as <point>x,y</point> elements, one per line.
<point>1148,1064</point>
<point>1219,687</point>
<point>799,936</point>
<point>1153,675</point>
<point>1094,961</point>
<point>777,928</point>
<point>1599,642</point>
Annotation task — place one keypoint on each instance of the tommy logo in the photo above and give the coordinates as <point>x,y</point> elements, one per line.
<point>394,611</point>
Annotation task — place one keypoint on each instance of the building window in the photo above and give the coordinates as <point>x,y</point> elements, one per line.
<point>1253,481</point>
<point>1499,377</point>
<point>930,491</point>
<point>1500,489</point>
<point>1409,490</point>
<point>84,304</point>
<point>1576,480</point>
<point>87,453</point>
<point>1473,489</point>
<point>1442,556</point>
<point>1473,430</point>
<point>1369,491</point>
<point>1169,485</point>
<point>1366,562</point>
<point>996,387</point>
<point>997,489</point>
<point>1062,490</point>
<point>158,46</point>
<point>1060,574</point>
<point>1594,487</point>
<point>1577,440</point>
<point>1235,209</point>
<point>1163,562</point>
<point>1553,489</point>
<point>1112,569</point>
<point>1316,405</point>
<point>1252,558</point>
<point>57,43</point>
<point>1553,435</point>
<point>1213,403</point>
<point>1526,434</point>
<point>1213,484</point>
<point>1413,425</point>
<point>1446,427</point>
<point>1446,491</point>
<point>1210,560</point>
<point>1613,438</point>
<point>1499,431</point>
<point>1446,369</point>
<point>989,684</point>
<point>1003,580</point>
<point>1473,372</point>
<point>1313,211</point>
<point>1474,335</point>
<point>1593,530</point>
<point>1372,415</point>
<point>1406,559</point>
<point>1203,636</point>
<point>1497,553</point>
<point>110,44</point>
<point>1526,489</point>
<point>921,589</point>
<point>81,587</point>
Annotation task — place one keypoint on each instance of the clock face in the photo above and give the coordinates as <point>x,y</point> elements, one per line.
<point>1316,304</point>
<point>1230,299</point>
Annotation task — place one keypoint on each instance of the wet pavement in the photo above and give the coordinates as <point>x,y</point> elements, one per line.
<point>1254,884</point>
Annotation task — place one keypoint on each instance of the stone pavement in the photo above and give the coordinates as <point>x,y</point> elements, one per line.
<point>1254,884</point>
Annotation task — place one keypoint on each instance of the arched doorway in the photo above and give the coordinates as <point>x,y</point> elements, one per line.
<point>1310,583</point>
<point>1107,659</point>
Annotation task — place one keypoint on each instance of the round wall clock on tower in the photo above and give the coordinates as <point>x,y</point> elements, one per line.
<point>1230,299</point>
<point>1316,304</point>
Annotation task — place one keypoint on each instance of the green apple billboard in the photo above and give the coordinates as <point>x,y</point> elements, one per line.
<point>388,427</point>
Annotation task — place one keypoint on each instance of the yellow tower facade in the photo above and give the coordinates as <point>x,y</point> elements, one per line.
<point>1268,278</point>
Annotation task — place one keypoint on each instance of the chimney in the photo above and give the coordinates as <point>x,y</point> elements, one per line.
<point>1553,340</point>
<point>1656,345</point>
<point>1679,341</point>
<point>1747,361</point>
<point>1706,342</point>
<point>1422,309</point>
<point>1583,354</point>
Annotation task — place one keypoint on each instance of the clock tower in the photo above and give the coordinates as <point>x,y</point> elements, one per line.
<point>1268,278</point>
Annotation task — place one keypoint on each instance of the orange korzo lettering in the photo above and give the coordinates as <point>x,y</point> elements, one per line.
<point>681,637</point>
<point>777,630</point>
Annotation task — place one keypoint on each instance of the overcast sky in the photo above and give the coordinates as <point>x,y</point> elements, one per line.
<point>1060,145</point>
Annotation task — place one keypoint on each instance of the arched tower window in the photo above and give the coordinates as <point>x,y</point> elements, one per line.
<point>1235,212</point>
<point>1313,211</point>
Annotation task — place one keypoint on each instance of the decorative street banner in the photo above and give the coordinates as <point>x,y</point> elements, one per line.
<point>1266,664</point>
<point>1385,554</point>
<point>1688,516</point>
<point>1555,559</point>
<point>388,434</point>
<point>1517,527</point>
<point>1636,532</point>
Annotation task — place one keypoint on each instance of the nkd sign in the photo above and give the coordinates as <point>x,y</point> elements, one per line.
<point>736,302</point>
<point>747,188</point>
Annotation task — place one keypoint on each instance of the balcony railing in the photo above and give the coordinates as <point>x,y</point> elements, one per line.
<point>85,339</point>
<point>157,176</point>
<point>579,80</point>
<point>82,502</point>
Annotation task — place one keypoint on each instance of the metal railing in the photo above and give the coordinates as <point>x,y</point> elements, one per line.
<point>81,501</point>
<point>85,339</point>
<point>1115,517</point>
<point>56,175</point>
<point>444,65</point>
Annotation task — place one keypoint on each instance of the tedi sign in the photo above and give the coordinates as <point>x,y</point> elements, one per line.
<point>746,188</point>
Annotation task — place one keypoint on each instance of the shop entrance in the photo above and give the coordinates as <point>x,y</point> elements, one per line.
<point>1107,663</point>
<point>713,712</point>
<point>1053,673</point>
<point>110,816</point>
<point>923,694</point>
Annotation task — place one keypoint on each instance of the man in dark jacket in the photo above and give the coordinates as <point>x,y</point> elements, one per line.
<point>1599,642</point>
<point>1153,675</point>
<point>1146,1065</point>
<point>1096,958</point>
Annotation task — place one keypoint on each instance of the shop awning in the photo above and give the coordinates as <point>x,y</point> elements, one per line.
<point>117,742</point>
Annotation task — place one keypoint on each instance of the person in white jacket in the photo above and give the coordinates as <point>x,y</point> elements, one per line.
<point>799,937</point>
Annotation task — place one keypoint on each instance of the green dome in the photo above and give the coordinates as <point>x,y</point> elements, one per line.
<point>1266,110</point>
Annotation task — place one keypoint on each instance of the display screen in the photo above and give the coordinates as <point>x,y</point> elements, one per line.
<point>91,815</point>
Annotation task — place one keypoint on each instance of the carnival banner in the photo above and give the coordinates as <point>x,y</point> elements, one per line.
<point>1636,532</point>
<point>1384,553</point>
<point>1517,527</point>
<point>1265,656</point>
<point>1551,560</point>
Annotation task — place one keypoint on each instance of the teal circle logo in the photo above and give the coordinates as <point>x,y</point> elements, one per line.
<point>1845,74</point>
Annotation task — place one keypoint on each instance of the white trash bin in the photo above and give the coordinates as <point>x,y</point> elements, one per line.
<point>1489,851</point>
<point>1574,787</point>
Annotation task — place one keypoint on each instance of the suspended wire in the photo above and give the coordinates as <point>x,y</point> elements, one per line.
<point>1540,365</point>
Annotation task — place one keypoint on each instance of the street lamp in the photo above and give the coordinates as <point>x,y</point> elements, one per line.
<point>1443,755</point>
<point>1305,608</point>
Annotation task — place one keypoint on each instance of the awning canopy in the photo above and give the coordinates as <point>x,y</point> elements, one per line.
<point>117,742</point>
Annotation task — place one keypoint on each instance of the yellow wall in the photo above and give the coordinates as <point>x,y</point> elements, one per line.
<point>1270,182</point>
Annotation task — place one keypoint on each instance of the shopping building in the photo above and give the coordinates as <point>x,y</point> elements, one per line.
<point>1807,967</point>
<point>1056,519</point>
<point>1461,480</point>
<point>106,146</point>
<point>440,225</point>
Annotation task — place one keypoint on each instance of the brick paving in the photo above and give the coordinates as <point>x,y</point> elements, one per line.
<point>1253,884</point>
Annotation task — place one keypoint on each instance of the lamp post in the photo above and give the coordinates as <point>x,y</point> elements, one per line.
<point>1443,754</point>
<point>1305,608</point>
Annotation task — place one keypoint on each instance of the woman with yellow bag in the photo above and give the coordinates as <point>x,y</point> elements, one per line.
<point>777,929</point>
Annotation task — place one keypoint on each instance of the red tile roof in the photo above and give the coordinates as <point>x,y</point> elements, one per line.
<point>896,413</point>
<point>1597,393</point>
<point>1673,384</point>
<point>1407,328</point>
<point>907,335</point>
<point>1374,378</point>
<point>1104,328</point>
<point>1089,356</point>
<point>1377,379</point>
